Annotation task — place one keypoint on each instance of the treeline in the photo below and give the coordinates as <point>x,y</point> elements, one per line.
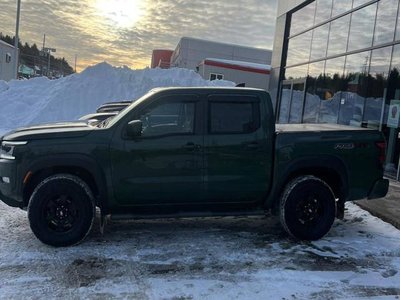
<point>31,57</point>
<point>362,83</point>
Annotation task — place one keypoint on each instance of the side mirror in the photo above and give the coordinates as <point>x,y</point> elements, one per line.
<point>134,128</point>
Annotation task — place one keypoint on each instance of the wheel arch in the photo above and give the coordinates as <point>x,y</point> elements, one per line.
<point>332,170</point>
<point>79,165</point>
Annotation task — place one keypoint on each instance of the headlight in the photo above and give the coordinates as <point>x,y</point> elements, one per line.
<point>7,149</point>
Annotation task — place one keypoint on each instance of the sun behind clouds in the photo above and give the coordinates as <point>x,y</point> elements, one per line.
<point>122,13</point>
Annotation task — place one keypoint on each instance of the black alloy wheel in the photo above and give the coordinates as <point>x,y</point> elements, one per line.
<point>61,210</point>
<point>307,208</point>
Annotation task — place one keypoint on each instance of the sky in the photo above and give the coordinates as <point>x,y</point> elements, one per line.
<point>124,32</point>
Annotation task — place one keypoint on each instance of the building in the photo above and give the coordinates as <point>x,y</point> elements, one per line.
<point>7,55</point>
<point>190,52</point>
<point>338,61</point>
<point>248,74</point>
<point>161,58</point>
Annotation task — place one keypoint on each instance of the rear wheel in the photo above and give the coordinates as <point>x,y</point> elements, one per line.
<point>307,208</point>
<point>61,210</point>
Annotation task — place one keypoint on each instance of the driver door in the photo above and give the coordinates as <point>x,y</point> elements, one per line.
<point>164,165</point>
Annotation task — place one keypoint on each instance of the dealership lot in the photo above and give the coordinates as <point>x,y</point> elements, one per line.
<point>211,258</point>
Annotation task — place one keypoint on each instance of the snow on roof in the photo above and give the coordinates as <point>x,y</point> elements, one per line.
<point>6,44</point>
<point>244,64</point>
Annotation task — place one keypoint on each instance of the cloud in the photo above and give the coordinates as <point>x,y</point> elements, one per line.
<point>77,27</point>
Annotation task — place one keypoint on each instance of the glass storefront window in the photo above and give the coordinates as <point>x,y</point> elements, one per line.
<point>338,35</point>
<point>296,72</point>
<point>330,90</point>
<point>357,3</point>
<point>296,107</point>
<point>352,99</point>
<point>319,42</point>
<point>362,28</point>
<point>385,21</point>
<point>314,93</point>
<point>377,82</point>
<point>340,7</point>
<point>335,67</point>
<point>303,18</point>
<point>292,94</point>
<point>391,133</point>
<point>316,69</point>
<point>299,49</point>
<point>286,93</point>
<point>323,11</point>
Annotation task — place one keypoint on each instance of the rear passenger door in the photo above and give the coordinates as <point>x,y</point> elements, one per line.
<point>238,162</point>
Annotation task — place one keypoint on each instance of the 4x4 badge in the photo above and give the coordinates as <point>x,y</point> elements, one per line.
<point>347,146</point>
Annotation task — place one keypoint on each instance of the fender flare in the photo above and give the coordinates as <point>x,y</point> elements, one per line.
<point>326,162</point>
<point>75,161</point>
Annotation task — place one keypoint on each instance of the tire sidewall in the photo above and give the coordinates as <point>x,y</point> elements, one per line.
<point>294,192</point>
<point>80,195</point>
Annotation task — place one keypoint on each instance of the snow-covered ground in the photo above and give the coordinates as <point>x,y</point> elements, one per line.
<point>203,258</point>
<point>41,100</point>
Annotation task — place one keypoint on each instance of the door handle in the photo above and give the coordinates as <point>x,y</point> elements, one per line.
<point>191,146</point>
<point>253,145</point>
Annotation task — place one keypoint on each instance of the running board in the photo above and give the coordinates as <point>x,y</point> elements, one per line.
<point>120,217</point>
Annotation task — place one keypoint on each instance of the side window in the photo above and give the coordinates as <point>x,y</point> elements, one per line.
<point>214,76</point>
<point>233,115</point>
<point>168,118</point>
<point>8,57</point>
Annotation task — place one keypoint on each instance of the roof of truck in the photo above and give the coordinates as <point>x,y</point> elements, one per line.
<point>207,88</point>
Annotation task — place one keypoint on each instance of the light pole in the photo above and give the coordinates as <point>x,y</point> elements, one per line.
<point>17,39</point>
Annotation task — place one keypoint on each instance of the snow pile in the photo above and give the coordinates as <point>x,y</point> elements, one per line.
<point>41,100</point>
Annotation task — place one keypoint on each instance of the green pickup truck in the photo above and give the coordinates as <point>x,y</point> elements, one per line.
<point>186,152</point>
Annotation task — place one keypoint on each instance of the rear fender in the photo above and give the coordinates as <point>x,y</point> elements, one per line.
<point>315,165</point>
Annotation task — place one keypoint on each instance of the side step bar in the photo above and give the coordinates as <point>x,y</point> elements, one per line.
<point>120,217</point>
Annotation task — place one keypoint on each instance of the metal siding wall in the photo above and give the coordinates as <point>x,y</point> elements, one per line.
<point>254,80</point>
<point>6,69</point>
<point>193,51</point>
<point>277,58</point>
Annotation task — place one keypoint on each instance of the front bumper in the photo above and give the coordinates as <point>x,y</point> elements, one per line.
<point>8,184</point>
<point>379,190</point>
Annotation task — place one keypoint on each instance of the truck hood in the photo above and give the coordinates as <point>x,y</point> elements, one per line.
<point>49,131</point>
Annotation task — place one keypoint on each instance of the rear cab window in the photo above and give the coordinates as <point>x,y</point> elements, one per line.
<point>233,114</point>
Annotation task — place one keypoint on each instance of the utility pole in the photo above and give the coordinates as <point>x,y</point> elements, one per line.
<point>17,39</point>
<point>42,53</point>
<point>48,51</point>
<point>76,57</point>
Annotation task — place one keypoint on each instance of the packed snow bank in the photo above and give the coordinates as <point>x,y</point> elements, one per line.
<point>41,100</point>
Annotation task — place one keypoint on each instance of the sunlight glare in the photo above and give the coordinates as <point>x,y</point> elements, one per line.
<point>123,13</point>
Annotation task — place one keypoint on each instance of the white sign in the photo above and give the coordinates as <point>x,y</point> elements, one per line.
<point>394,114</point>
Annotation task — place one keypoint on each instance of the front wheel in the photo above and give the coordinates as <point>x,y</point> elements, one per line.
<point>61,210</point>
<point>307,208</point>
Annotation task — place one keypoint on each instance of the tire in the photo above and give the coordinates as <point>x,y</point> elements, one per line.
<point>61,210</point>
<point>307,208</point>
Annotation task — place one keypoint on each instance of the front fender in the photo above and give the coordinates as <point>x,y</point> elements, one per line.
<point>73,161</point>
